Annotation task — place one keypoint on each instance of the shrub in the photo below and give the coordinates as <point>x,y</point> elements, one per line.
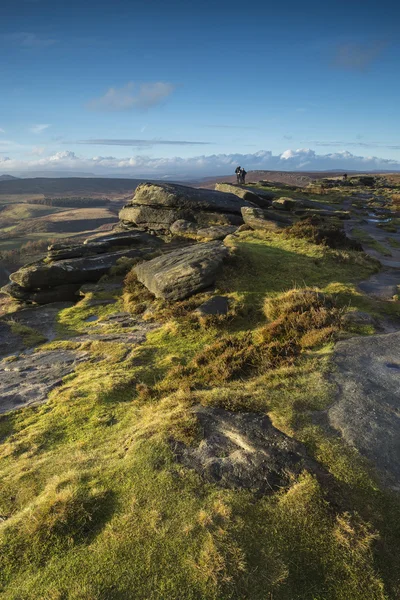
<point>299,319</point>
<point>319,231</point>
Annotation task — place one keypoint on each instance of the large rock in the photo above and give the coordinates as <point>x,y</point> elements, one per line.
<point>367,407</point>
<point>182,272</point>
<point>257,218</point>
<point>58,293</point>
<point>42,275</point>
<point>240,192</point>
<point>157,206</point>
<point>99,244</point>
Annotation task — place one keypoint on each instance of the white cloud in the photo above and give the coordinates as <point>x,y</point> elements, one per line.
<point>200,166</point>
<point>39,128</point>
<point>37,151</point>
<point>133,95</point>
<point>26,39</point>
<point>2,130</point>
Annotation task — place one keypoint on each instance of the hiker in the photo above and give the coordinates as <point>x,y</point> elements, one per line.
<point>243,174</point>
<point>238,171</point>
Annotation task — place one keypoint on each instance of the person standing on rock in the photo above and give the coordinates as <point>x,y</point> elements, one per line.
<point>243,174</point>
<point>238,170</point>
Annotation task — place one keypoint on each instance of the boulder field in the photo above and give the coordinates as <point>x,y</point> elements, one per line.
<point>158,214</point>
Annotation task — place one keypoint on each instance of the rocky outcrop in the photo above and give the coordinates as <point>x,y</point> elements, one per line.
<point>258,218</point>
<point>59,276</point>
<point>182,272</point>
<point>156,207</point>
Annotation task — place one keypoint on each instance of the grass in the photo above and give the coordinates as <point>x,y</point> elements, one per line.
<point>95,504</point>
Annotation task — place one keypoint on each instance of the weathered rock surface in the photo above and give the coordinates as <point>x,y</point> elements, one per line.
<point>182,227</point>
<point>100,244</point>
<point>217,305</point>
<point>215,232</point>
<point>286,203</point>
<point>42,319</point>
<point>367,408</point>
<point>241,192</point>
<point>243,450</point>
<point>257,218</point>
<point>30,378</point>
<point>157,206</point>
<point>182,272</point>
<point>59,293</point>
<point>77,270</point>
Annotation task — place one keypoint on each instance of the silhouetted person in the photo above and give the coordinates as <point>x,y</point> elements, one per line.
<point>238,170</point>
<point>345,177</point>
<point>243,174</point>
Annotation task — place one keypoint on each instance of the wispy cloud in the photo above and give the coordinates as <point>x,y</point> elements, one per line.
<point>39,128</point>
<point>2,130</point>
<point>133,95</point>
<point>287,137</point>
<point>354,56</point>
<point>37,151</point>
<point>230,127</point>
<point>27,39</point>
<point>327,144</point>
<point>138,143</point>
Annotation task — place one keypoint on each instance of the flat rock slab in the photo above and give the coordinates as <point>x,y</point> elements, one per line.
<point>367,407</point>
<point>243,450</point>
<point>182,272</point>
<point>29,379</point>
<point>42,319</point>
<point>381,285</point>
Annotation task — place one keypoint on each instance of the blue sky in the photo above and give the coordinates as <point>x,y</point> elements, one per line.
<point>192,88</point>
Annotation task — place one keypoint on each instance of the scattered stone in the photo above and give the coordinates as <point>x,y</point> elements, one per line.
<point>367,407</point>
<point>182,272</point>
<point>217,305</point>
<point>243,450</point>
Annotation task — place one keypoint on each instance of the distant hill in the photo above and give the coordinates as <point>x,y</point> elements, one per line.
<point>74,186</point>
<point>6,177</point>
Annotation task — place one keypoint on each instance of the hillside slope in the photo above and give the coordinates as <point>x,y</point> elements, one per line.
<point>155,449</point>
